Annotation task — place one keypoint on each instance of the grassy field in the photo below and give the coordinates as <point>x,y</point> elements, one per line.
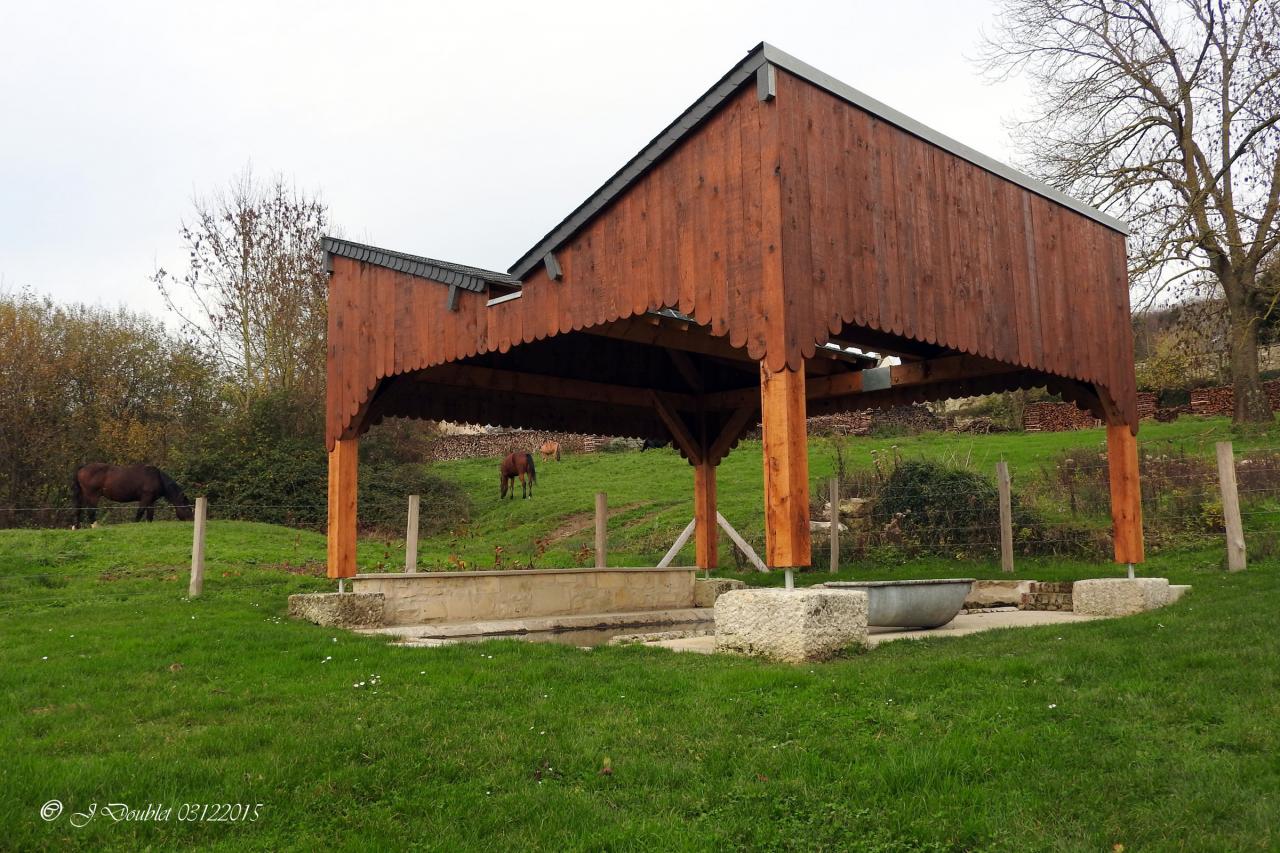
<point>1156,732</point>
<point>651,493</point>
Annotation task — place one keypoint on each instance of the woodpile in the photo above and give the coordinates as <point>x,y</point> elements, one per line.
<point>1146,405</point>
<point>1221,400</point>
<point>496,445</point>
<point>1057,417</point>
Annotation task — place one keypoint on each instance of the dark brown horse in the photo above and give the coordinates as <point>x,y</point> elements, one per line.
<point>517,465</point>
<point>125,483</point>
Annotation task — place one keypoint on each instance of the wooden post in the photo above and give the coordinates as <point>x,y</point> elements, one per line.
<point>196,587</point>
<point>680,542</point>
<point>1006,516</point>
<point>743,545</point>
<point>833,494</point>
<point>411,537</point>
<point>1126,494</point>
<point>343,470</point>
<point>707,543</point>
<point>602,519</point>
<point>1236,561</point>
<point>786,469</point>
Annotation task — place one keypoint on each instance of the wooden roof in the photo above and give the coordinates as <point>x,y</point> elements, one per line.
<point>782,212</point>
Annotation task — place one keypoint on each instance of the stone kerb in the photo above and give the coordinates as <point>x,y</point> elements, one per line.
<point>1120,596</point>
<point>339,609</point>
<point>790,625</point>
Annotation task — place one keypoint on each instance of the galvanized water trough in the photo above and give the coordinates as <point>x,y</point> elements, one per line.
<point>910,603</point>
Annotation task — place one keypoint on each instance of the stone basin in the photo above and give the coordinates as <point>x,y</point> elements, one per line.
<point>910,604</point>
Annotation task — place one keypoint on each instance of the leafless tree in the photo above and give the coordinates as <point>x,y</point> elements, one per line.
<point>1164,113</point>
<point>254,293</point>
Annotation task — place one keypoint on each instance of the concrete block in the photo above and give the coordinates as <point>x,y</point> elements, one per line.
<point>790,625</point>
<point>996,594</point>
<point>1119,596</point>
<point>1176,591</point>
<point>707,590</point>
<point>339,609</point>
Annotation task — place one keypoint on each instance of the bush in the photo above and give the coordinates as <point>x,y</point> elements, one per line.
<point>269,464</point>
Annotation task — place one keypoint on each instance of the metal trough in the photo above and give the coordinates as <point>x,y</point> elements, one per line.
<point>910,604</point>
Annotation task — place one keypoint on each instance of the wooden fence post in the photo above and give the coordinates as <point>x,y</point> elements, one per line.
<point>602,519</point>
<point>196,587</point>
<point>411,537</point>
<point>1006,516</point>
<point>833,493</point>
<point>1231,507</point>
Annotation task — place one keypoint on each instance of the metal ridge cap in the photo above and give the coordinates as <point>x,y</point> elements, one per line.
<point>394,259</point>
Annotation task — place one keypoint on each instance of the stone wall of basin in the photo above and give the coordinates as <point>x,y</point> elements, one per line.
<point>419,597</point>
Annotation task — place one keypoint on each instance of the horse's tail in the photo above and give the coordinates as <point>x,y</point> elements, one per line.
<point>557,451</point>
<point>533,473</point>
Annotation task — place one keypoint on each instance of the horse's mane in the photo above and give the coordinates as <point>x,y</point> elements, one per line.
<point>172,491</point>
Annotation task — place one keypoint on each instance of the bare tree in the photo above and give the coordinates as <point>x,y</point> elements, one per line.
<point>1164,113</point>
<point>254,293</point>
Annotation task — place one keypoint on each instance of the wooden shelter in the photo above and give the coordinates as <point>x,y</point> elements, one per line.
<point>735,272</point>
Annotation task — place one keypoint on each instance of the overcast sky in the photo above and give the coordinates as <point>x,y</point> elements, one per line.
<point>462,131</point>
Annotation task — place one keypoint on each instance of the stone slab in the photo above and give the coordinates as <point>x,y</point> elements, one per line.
<point>417,597</point>
<point>790,625</point>
<point>964,624</point>
<point>707,590</point>
<point>338,609</point>
<point>1177,590</point>
<point>996,594</point>
<point>1119,596</point>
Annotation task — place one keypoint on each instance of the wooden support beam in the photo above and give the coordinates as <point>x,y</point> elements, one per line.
<point>786,468</point>
<point>538,385</point>
<point>849,383</point>
<point>677,427</point>
<point>688,370</point>
<point>1126,493</point>
<point>707,543</point>
<point>343,470</point>
<point>733,427</point>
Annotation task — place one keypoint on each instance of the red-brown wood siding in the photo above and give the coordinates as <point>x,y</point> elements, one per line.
<point>886,231</point>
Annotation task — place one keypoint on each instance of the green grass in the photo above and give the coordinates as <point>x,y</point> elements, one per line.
<point>1155,731</point>
<point>651,493</point>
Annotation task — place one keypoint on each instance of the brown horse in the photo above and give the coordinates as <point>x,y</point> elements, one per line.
<point>549,449</point>
<point>517,465</point>
<point>124,483</point>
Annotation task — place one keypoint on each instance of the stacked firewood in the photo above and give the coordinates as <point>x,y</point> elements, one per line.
<point>1056,417</point>
<point>1221,400</point>
<point>499,444</point>
<point>1146,405</point>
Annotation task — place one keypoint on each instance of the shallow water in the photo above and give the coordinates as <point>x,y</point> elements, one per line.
<point>583,637</point>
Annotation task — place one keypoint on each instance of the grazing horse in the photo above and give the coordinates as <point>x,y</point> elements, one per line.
<point>550,449</point>
<point>517,465</point>
<point>124,483</point>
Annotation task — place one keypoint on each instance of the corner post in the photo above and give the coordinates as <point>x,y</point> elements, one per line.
<point>1126,494</point>
<point>706,530</point>
<point>343,471</point>
<point>786,468</point>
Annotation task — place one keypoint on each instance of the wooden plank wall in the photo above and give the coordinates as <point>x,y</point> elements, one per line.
<point>903,237</point>
<point>878,229</point>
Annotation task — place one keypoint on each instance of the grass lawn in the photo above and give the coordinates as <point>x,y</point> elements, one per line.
<point>651,493</point>
<point>1156,731</point>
